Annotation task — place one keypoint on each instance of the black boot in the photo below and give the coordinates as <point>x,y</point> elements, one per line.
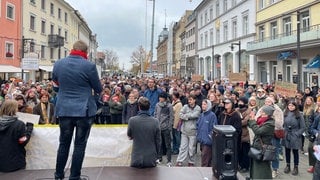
<point>295,171</point>
<point>287,169</point>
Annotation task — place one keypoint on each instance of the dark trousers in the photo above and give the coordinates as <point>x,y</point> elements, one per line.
<point>244,160</point>
<point>166,144</point>
<point>295,153</point>
<point>206,155</point>
<point>312,159</point>
<point>116,118</point>
<point>316,173</point>
<point>176,139</point>
<point>67,126</point>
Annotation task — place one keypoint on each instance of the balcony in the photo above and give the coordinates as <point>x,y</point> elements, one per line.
<point>55,40</point>
<point>309,37</point>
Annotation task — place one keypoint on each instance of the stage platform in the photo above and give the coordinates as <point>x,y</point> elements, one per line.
<point>121,173</point>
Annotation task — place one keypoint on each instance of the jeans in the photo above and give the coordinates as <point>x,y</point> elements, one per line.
<point>165,144</point>
<point>67,126</point>
<point>176,139</point>
<point>276,143</point>
<point>295,156</point>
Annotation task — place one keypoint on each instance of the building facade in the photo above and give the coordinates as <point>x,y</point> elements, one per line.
<point>10,38</point>
<point>287,41</point>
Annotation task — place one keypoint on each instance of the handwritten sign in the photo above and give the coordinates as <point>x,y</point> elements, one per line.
<point>237,77</point>
<point>197,77</point>
<point>285,88</point>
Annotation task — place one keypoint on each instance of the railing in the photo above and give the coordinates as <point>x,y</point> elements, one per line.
<point>306,34</point>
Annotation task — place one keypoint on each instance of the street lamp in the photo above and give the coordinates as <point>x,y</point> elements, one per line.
<point>239,53</point>
<point>152,35</point>
<point>298,52</point>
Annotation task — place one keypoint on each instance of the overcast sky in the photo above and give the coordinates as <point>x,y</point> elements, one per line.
<point>124,25</point>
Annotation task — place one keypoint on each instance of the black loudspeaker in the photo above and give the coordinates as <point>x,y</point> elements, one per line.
<point>224,152</point>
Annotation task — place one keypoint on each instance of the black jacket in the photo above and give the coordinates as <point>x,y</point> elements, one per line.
<point>12,152</point>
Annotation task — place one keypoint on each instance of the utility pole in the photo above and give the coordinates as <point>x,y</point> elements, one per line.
<point>152,35</point>
<point>298,52</point>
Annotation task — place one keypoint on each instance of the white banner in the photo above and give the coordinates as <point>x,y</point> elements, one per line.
<point>107,146</point>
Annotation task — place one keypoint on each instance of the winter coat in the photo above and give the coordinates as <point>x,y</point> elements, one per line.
<point>261,100</point>
<point>205,125</point>
<point>164,113</point>
<point>189,116</point>
<point>177,106</point>
<point>153,96</point>
<point>50,112</point>
<point>129,110</point>
<point>245,112</point>
<point>144,130</point>
<point>116,104</point>
<point>293,127</point>
<point>233,118</point>
<point>277,116</point>
<point>12,152</point>
<point>261,169</point>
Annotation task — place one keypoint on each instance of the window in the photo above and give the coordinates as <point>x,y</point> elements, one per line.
<point>261,33</point>
<point>43,4</point>
<point>273,1</point>
<point>211,37</point>
<point>225,5</point>
<point>206,17</point>
<point>206,39</point>
<point>234,28</point>
<point>245,25</point>
<point>201,20</point>
<point>51,53</point>
<point>43,27</point>
<point>51,29</point>
<point>217,36</point>
<point>43,51</point>
<point>10,11</point>
<point>287,27</point>
<point>52,9</point>
<point>32,47</point>
<point>9,49</point>
<point>66,35</point>
<point>261,4</point>
<point>59,31</point>
<point>59,13</point>
<point>32,23</point>
<point>217,9</point>
<point>66,18</point>
<point>211,13</point>
<point>201,41</point>
<point>234,3</point>
<point>305,21</point>
<point>33,2</point>
<point>225,31</point>
<point>274,30</point>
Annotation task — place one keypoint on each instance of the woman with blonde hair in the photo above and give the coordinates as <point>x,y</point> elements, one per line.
<point>308,111</point>
<point>14,135</point>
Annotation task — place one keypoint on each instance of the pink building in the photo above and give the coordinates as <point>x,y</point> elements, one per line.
<point>10,37</point>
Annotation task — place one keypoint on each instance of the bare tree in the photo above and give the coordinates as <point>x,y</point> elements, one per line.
<point>138,59</point>
<point>111,60</point>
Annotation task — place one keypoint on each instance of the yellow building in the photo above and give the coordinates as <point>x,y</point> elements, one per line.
<point>50,28</point>
<point>287,39</point>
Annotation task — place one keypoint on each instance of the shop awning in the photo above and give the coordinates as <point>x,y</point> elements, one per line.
<point>9,69</point>
<point>46,68</point>
<point>314,62</point>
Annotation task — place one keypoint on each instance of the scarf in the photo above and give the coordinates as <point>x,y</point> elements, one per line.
<point>78,53</point>
<point>262,120</point>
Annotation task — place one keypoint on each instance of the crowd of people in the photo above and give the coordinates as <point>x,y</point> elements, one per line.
<point>182,114</point>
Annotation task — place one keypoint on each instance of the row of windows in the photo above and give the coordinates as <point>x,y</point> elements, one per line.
<point>207,40</point>
<point>264,3</point>
<point>206,17</point>
<point>190,47</point>
<point>52,9</point>
<point>190,32</point>
<point>286,27</point>
<point>43,27</point>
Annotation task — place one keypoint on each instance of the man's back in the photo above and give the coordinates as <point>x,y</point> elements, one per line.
<point>76,78</point>
<point>145,132</point>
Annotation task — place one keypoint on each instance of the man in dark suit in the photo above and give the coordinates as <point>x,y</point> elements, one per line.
<point>144,130</point>
<point>77,83</point>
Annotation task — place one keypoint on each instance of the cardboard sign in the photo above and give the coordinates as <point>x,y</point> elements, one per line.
<point>197,77</point>
<point>285,88</point>
<point>237,77</point>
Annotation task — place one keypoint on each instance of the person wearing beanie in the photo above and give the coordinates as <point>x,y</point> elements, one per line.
<point>294,126</point>
<point>22,104</point>
<point>263,128</point>
<point>164,113</point>
<point>244,160</point>
<point>205,125</point>
<point>235,97</point>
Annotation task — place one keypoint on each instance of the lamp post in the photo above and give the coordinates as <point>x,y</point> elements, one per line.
<point>212,65</point>
<point>298,52</point>
<point>239,53</point>
<point>152,35</point>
